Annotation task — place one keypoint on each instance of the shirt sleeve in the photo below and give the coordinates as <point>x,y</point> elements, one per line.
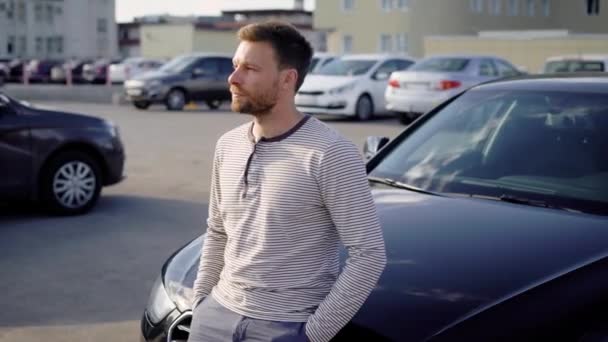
<point>212,256</point>
<point>347,196</point>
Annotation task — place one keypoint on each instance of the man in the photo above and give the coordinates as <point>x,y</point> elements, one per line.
<point>286,190</point>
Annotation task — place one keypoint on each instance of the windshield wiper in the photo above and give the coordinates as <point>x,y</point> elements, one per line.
<point>520,200</point>
<point>400,185</point>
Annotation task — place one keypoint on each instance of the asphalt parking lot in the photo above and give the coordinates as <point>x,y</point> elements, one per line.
<point>87,278</point>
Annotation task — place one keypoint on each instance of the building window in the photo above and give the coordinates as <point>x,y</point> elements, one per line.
<point>49,45</point>
<point>387,5</point>
<point>403,5</point>
<point>59,44</point>
<point>546,4</point>
<point>348,5</point>
<point>495,7</point>
<point>38,12</point>
<point>10,45</point>
<point>513,7</point>
<point>347,43</point>
<point>39,47</point>
<point>401,42</point>
<point>476,6</point>
<point>50,11</point>
<point>102,25</point>
<point>530,8</point>
<point>2,7</point>
<point>21,11</point>
<point>10,9</point>
<point>386,43</point>
<point>593,7</point>
<point>22,46</point>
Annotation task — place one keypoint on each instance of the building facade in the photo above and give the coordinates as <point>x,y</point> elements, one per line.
<point>363,26</point>
<point>58,29</point>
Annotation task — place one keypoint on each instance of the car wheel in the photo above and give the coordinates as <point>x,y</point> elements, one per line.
<point>364,109</point>
<point>213,104</point>
<point>141,104</point>
<point>71,183</point>
<point>176,100</point>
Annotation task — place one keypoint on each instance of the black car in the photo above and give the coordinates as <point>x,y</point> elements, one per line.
<point>57,158</point>
<point>192,77</point>
<point>494,208</point>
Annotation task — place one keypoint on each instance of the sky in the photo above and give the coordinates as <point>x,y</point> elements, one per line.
<point>126,10</point>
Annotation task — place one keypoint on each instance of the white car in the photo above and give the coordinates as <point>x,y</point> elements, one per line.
<point>319,59</point>
<point>132,67</point>
<point>432,80</point>
<point>350,86</point>
<point>576,63</point>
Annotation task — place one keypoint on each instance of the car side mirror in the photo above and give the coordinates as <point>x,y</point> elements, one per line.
<point>373,145</point>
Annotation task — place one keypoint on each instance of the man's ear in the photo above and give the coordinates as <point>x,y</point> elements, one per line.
<point>290,78</point>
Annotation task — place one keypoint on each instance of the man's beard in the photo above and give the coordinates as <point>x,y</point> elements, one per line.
<point>256,104</point>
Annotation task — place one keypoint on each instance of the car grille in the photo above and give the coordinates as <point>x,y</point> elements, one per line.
<point>315,93</point>
<point>180,328</point>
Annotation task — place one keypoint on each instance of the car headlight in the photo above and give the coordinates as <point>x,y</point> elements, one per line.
<point>134,84</point>
<point>159,304</point>
<point>112,128</point>
<point>342,89</point>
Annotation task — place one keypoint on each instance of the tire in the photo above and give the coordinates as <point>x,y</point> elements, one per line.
<point>59,195</point>
<point>213,104</point>
<point>176,99</point>
<point>364,109</point>
<point>141,104</point>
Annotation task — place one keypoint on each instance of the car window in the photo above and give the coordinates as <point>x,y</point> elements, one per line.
<point>347,67</point>
<point>209,66</point>
<point>441,64</point>
<point>487,68</point>
<point>226,67</point>
<point>385,69</point>
<point>574,66</point>
<point>5,107</point>
<point>540,144</point>
<point>504,69</point>
<point>313,63</point>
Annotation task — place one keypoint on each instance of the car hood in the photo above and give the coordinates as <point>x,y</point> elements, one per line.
<point>158,75</point>
<point>448,257</point>
<point>325,82</point>
<point>44,116</point>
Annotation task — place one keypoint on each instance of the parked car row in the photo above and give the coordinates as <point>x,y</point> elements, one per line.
<point>80,70</point>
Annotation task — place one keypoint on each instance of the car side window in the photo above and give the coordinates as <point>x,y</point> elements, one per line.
<point>207,67</point>
<point>226,67</point>
<point>505,69</point>
<point>385,69</point>
<point>487,68</point>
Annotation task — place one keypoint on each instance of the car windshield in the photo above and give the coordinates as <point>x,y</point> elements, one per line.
<point>574,66</point>
<point>178,64</point>
<point>313,63</point>
<point>347,67</point>
<point>541,145</point>
<point>441,64</point>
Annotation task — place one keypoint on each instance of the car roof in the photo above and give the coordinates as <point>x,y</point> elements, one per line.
<point>324,54</point>
<point>571,82</point>
<point>469,56</point>
<point>577,57</point>
<point>375,56</point>
<point>207,54</point>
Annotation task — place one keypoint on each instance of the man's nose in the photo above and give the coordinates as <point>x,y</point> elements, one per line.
<point>235,77</point>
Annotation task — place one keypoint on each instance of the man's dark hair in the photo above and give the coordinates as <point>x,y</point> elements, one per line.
<point>291,48</point>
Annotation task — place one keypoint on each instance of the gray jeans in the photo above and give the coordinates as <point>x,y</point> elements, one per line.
<point>211,322</point>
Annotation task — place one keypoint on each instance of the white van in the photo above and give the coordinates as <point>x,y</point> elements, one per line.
<point>576,63</point>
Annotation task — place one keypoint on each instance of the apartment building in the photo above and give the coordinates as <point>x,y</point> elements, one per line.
<point>57,28</point>
<point>359,26</point>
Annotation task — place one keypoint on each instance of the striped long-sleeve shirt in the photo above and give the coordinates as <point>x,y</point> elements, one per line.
<point>278,210</point>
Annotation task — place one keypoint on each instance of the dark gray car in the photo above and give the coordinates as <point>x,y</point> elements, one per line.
<point>193,77</point>
<point>57,158</point>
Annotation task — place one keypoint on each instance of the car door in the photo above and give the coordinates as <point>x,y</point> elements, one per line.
<point>226,69</point>
<point>379,81</point>
<point>15,152</point>
<point>205,78</point>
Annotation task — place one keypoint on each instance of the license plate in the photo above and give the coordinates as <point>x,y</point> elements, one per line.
<point>134,92</point>
<point>420,86</point>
